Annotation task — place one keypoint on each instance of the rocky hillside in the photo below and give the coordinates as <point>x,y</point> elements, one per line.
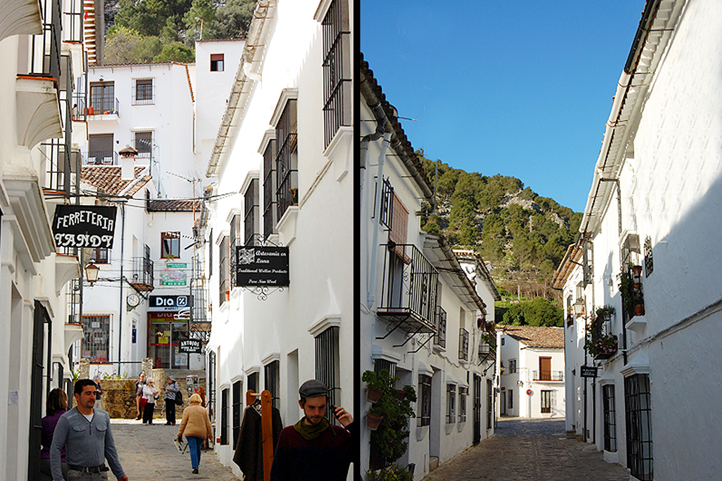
<point>523,235</point>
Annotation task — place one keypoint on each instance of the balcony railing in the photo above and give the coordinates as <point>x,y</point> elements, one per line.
<point>548,376</point>
<point>101,157</point>
<point>104,106</point>
<point>410,289</point>
<point>141,276</point>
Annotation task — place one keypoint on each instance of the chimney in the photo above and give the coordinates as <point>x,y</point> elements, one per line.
<point>127,162</point>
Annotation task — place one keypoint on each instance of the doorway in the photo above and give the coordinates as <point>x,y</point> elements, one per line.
<point>477,409</point>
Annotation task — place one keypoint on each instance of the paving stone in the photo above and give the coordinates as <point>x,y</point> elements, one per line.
<point>147,452</point>
<point>534,450</point>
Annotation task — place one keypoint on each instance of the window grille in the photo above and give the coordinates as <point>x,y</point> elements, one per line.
<point>234,241</point>
<point>143,92</point>
<point>512,366</point>
<point>424,416</point>
<point>381,364</point>
<point>287,159</point>
<point>253,382</point>
<point>224,271</point>
<point>463,395</point>
<point>237,410</point>
<point>271,376</point>
<point>440,336</point>
<point>463,344</point>
<point>211,385</point>
<point>546,402</point>
<point>610,423</point>
<point>251,208</point>
<point>170,245</point>
<point>224,416</point>
<point>96,332</point>
<point>639,427</point>
<point>450,403</point>
<point>327,366</point>
<point>269,189</point>
<point>511,398</point>
<point>387,204</point>
<point>337,92</point>
<point>143,143</point>
<point>489,403</point>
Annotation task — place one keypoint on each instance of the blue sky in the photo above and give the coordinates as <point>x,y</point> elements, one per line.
<point>517,88</point>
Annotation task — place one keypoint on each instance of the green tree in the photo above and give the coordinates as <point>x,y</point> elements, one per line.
<point>201,14</point>
<point>124,45</point>
<point>176,52</point>
<point>148,17</point>
<point>232,20</point>
<point>543,312</point>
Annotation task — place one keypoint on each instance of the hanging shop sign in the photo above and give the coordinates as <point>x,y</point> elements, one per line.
<point>174,274</point>
<point>169,303</point>
<point>261,266</point>
<point>588,371</point>
<point>191,346</point>
<point>84,226</point>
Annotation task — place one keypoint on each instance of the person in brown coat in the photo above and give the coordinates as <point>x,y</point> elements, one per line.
<point>197,427</point>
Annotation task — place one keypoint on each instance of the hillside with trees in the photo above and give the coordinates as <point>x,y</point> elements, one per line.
<point>166,30</point>
<point>524,236</point>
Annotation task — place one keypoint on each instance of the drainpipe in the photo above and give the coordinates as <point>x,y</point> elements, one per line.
<point>122,279</point>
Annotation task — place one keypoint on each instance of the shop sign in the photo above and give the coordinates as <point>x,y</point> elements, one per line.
<point>84,226</point>
<point>588,371</point>
<point>191,346</point>
<point>174,274</point>
<point>262,266</point>
<point>169,303</point>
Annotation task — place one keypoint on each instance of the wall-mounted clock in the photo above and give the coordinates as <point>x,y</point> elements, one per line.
<point>133,300</point>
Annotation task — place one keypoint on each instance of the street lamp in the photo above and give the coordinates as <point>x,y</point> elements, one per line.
<point>91,273</point>
<point>578,307</point>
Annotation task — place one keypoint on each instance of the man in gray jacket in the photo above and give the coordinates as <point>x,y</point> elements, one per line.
<point>85,433</point>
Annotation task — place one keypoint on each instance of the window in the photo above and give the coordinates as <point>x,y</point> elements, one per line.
<point>424,416</point>
<point>610,423</point>
<point>170,245</point>
<point>511,398</point>
<point>463,345</point>
<point>143,143</point>
<point>545,368</point>
<point>234,241</point>
<point>503,339</point>
<point>327,366</point>
<point>211,385</point>
<point>639,426</point>
<point>269,189</point>
<point>336,69</point>
<point>287,159</point>
<point>96,331</point>
<point>399,222</point>
<point>143,92</point>
<point>489,404</point>
<point>216,62</point>
<point>512,366</point>
<point>463,394</point>
<point>99,255</point>
<point>251,214</point>
<point>381,364</point>
<point>272,379</point>
<point>387,204</point>
<point>102,97</point>
<point>546,402</point>
<point>100,149</point>
<point>237,410</point>
<point>224,271</point>
<point>450,403</point>
<point>224,416</point>
<point>440,336</point>
<point>253,382</point>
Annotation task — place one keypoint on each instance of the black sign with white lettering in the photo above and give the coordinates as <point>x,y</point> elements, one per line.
<point>169,303</point>
<point>261,266</point>
<point>191,346</point>
<point>588,371</point>
<point>84,226</point>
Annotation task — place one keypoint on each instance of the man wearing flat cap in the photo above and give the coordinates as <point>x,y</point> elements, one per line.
<point>313,449</point>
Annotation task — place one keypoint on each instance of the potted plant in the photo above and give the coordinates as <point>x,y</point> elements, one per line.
<point>392,473</point>
<point>606,312</point>
<point>374,418</point>
<point>374,386</point>
<point>601,347</point>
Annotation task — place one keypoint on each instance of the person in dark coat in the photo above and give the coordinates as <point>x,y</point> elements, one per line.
<point>249,448</point>
<point>313,449</point>
<point>171,391</point>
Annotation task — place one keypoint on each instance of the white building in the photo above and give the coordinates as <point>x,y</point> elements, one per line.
<point>169,113</point>
<point>532,371</point>
<point>42,54</point>
<point>284,195</point>
<point>426,314</point>
<point>652,219</point>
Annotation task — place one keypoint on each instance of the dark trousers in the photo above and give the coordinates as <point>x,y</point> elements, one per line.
<point>170,410</point>
<point>148,413</point>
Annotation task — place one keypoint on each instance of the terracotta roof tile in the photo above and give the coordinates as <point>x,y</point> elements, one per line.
<point>106,178</point>
<point>174,205</point>
<point>532,336</point>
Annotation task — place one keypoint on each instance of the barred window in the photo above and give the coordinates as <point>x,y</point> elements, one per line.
<point>233,243</point>
<point>337,94</point>
<point>423,417</point>
<point>639,426</point>
<point>450,403</point>
<point>610,422</point>
<point>327,366</point>
<point>512,366</point>
<point>224,416</point>
<point>170,245</point>
<point>237,411</point>
<point>511,398</point>
<point>381,364</point>
<point>463,344</point>
<point>224,271</point>
<point>251,212</point>
<point>463,395</point>
<point>287,159</point>
<point>143,92</point>
<point>253,382</point>
<point>269,189</point>
<point>440,336</point>
<point>272,380</point>
<point>386,204</point>
<point>143,142</point>
<point>546,402</point>
<point>96,332</point>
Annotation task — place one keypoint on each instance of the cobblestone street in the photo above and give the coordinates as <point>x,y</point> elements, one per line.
<point>148,453</point>
<point>529,450</point>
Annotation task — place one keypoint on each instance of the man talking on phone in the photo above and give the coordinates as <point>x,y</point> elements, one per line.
<point>314,449</point>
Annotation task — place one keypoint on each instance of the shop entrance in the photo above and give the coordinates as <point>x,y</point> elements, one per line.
<point>165,333</point>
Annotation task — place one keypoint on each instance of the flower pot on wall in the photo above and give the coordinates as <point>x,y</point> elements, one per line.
<point>373,395</point>
<point>639,310</point>
<point>373,421</point>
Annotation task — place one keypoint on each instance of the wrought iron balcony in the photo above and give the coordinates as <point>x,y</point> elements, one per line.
<point>141,276</point>
<point>557,376</point>
<point>410,289</point>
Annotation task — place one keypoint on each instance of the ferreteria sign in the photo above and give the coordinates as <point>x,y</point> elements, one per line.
<point>84,226</point>
<point>261,266</point>
<point>191,346</point>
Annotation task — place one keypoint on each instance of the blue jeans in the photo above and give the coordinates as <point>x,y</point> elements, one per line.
<point>195,443</point>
